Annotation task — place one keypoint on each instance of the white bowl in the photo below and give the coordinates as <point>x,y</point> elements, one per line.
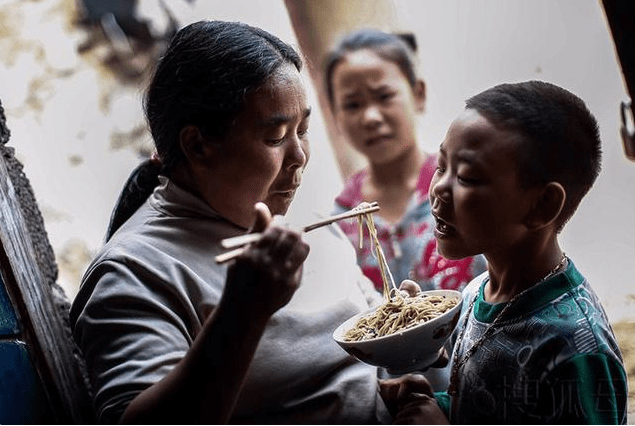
<point>404,351</point>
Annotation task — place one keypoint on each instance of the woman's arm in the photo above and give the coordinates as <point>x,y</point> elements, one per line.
<point>204,386</point>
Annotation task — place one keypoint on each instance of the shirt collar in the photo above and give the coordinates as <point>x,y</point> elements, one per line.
<point>534,298</point>
<point>176,201</point>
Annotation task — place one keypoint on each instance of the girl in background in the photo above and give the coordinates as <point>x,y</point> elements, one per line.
<point>375,95</point>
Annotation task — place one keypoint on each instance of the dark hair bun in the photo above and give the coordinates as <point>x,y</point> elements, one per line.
<point>410,40</point>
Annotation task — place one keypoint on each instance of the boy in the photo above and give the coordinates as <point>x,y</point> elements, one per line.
<point>533,344</point>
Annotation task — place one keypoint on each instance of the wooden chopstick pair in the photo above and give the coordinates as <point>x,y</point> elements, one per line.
<point>242,240</point>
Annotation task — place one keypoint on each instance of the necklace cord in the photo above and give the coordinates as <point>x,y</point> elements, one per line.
<point>457,364</point>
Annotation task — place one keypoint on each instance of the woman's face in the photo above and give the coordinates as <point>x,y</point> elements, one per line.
<point>265,151</point>
<point>375,106</point>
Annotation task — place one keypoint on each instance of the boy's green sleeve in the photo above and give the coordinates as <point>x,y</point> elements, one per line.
<point>587,389</point>
<point>443,400</point>
<point>592,390</point>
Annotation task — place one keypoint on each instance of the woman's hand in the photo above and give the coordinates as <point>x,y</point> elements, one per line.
<point>267,274</point>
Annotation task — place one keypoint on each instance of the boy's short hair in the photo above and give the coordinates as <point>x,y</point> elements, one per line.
<point>560,138</point>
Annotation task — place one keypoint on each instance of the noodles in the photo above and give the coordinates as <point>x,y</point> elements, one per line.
<point>399,311</point>
<point>379,253</point>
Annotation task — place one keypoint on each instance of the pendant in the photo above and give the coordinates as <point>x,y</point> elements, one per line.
<point>452,388</point>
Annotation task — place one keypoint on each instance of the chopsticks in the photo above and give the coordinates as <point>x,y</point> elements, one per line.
<point>242,240</point>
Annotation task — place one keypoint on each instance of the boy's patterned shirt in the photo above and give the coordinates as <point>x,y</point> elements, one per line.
<point>554,360</point>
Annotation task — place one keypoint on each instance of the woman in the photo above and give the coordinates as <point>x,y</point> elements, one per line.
<point>169,336</point>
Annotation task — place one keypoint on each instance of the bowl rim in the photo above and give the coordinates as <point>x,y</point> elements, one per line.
<point>339,330</point>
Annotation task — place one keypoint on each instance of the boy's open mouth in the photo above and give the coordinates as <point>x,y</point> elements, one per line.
<point>443,229</point>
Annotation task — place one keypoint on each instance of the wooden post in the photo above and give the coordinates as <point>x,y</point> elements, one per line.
<point>318,24</point>
<point>620,15</point>
<point>40,341</point>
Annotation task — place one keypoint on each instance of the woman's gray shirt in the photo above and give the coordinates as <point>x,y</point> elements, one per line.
<point>147,293</point>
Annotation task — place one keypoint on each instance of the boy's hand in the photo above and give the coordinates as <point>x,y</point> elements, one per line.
<point>421,410</point>
<point>397,392</point>
<point>410,400</point>
<point>442,361</point>
<point>410,287</point>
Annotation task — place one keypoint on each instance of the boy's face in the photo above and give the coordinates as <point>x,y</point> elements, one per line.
<point>475,192</point>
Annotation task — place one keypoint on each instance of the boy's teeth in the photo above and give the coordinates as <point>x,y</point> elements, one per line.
<point>443,227</point>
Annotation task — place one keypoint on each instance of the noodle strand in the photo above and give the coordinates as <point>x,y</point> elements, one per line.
<point>398,314</point>
<point>399,311</point>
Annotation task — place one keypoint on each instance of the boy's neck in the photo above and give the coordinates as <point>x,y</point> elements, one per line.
<point>512,273</point>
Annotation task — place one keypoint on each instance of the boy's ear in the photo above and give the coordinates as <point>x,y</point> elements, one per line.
<point>196,148</point>
<point>547,207</point>
<point>419,91</point>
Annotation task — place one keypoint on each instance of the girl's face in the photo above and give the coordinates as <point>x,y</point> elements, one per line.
<point>475,192</point>
<point>375,106</point>
<point>265,151</point>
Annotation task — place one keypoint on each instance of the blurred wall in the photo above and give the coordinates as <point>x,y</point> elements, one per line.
<point>466,46</point>
<point>469,45</point>
<point>62,110</point>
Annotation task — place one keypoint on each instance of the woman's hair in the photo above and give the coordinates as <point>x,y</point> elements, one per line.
<point>560,139</point>
<point>202,80</point>
<point>400,49</point>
